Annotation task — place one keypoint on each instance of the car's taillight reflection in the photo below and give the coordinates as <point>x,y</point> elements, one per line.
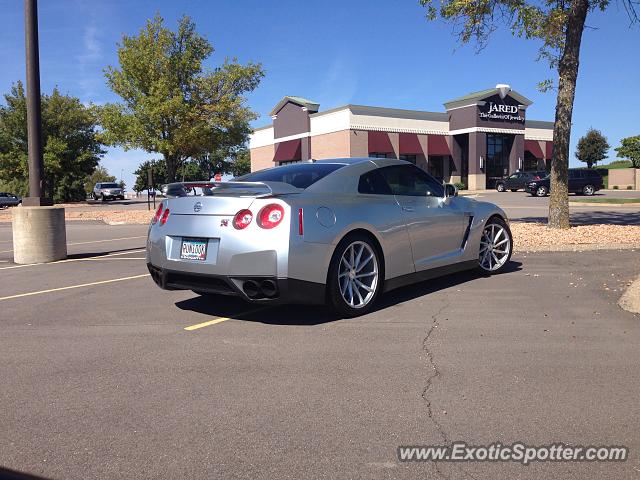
<point>242,219</point>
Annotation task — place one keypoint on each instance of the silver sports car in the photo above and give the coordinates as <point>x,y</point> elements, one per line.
<point>338,232</point>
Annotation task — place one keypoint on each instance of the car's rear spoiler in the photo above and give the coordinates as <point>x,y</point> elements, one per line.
<point>241,189</point>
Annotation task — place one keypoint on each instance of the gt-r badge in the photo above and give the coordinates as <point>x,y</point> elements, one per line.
<point>224,222</point>
<point>197,207</point>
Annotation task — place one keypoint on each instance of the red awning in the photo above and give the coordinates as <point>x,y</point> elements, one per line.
<point>549,149</point>
<point>533,146</point>
<point>437,145</point>
<point>379,142</point>
<point>410,145</point>
<point>289,150</point>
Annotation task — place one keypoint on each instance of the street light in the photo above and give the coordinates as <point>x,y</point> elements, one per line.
<point>39,233</point>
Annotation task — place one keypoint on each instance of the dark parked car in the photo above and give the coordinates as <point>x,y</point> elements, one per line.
<point>9,200</point>
<point>519,180</point>
<point>581,181</point>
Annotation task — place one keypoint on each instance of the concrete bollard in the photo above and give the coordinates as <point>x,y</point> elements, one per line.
<point>39,234</point>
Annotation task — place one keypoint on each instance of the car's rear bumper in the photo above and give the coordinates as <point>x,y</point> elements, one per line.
<point>287,290</point>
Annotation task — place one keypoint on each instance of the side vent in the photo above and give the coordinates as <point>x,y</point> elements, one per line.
<point>466,232</point>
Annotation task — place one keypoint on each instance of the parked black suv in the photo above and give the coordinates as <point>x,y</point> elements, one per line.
<point>581,181</point>
<point>518,180</point>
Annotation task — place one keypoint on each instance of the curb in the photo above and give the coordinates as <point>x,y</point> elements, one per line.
<point>602,204</point>
<point>584,247</point>
<point>630,299</point>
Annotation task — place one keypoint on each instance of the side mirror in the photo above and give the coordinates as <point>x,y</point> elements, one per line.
<point>450,190</point>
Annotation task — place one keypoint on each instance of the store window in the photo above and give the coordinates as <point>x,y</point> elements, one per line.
<point>289,162</point>
<point>409,158</point>
<point>377,155</point>
<point>497,165</point>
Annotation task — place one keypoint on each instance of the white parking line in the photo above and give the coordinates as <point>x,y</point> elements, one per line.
<point>39,292</point>
<point>96,257</point>
<point>93,241</point>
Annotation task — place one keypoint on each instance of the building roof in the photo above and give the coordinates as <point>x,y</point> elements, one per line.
<point>303,102</point>
<point>473,97</point>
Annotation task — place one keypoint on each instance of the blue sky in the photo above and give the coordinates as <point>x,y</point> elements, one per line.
<point>382,53</point>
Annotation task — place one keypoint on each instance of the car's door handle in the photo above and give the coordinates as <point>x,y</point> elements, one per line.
<point>407,208</point>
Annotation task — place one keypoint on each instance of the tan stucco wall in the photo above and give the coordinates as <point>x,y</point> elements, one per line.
<point>624,177</point>
<point>359,143</point>
<point>262,157</point>
<point>330,145</point>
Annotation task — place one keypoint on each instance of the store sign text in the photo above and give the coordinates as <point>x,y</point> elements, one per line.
<point>496,111</point>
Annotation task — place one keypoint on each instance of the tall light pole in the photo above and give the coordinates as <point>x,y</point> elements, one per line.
<point>34,121</point>
<point>38,228</point>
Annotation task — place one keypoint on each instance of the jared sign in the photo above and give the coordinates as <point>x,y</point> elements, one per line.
<point>500,111</point>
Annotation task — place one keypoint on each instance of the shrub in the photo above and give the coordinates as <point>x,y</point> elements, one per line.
<point>460,185</point>
<point>615,187</point>
<point>629,187</point>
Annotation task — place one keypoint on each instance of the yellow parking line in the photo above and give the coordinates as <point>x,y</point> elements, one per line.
<point>220,319</point>
<point>94,241</point>
<point>80,259</point>
<point>102,282</point>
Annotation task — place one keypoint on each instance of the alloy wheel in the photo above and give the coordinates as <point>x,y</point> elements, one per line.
<point>541,191</point>
<point>358,274</point>
<point>495,247</point>
<point>588,190</point>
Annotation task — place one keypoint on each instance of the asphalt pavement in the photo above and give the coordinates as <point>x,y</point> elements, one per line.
<point>104,375</point>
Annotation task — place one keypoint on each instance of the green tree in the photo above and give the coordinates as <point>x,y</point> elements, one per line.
<point>242,163</point>
<point>592,148</point>
<point>71,148</point>
<point>100,174</point>
<point>159,175</point>
<point>170,104</point>
<point>559,25</point>
<point>630,149</point>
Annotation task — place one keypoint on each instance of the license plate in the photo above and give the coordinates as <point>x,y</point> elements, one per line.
<point>194,249</point>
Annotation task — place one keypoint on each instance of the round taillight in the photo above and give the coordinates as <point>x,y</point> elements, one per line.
<point>270,216</point>
<point>164,217</point>
<point>156,217</point>
<point>242,219</point>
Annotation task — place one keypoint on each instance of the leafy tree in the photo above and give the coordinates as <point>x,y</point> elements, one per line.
<point>71,148</point>
<point>159,175</point>
<point>170,104</point>
<point>242,163</point>
<point>559,24</point>
<point>100,174</point>
<point>630,148</point>
<point>592,148</point>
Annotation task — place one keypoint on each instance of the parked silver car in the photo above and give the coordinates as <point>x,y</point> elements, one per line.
<point>340,232</point>
<point>107,191</point>
<point>9,200</point>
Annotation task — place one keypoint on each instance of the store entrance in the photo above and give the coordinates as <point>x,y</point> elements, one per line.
<point>498,149</point>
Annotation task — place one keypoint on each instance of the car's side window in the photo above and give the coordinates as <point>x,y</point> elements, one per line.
<point>373,183</point>
<point>411,181</point>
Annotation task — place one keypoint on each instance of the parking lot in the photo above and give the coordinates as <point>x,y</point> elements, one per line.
<point>106,375</point>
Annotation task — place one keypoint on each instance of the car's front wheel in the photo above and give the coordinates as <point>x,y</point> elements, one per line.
<point>496,246</point>
<point>588,190</point>
<point>355,276</point>
<point>514,189</point>
<point>541,191</point>
<point>500,187</point>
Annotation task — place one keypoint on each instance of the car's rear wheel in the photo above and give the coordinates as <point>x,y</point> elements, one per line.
<point>541,191</point>
<point>355,276</point>
<point>496,246</point>
<point>514,189</point>
<point>500,187</point>
<point>588,190</point>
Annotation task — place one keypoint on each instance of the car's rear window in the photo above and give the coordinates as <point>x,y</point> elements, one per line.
<point>299,175</point>
<point>109,185</point>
